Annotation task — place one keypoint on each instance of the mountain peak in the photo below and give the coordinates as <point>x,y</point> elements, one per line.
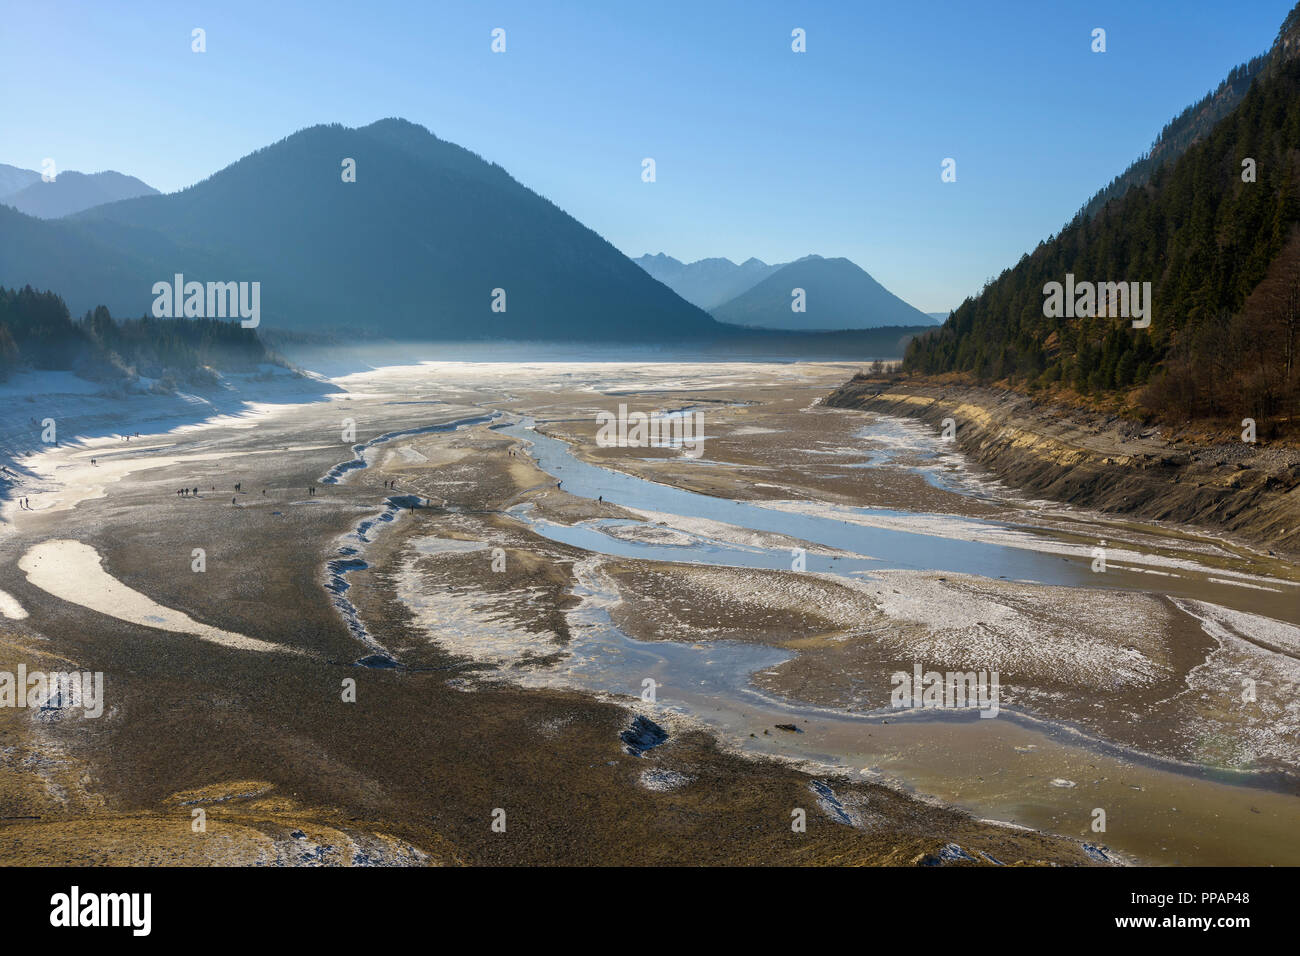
<point>413,247</point>
<point>838,294</point>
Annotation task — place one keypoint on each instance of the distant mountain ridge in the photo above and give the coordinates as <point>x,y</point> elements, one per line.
<point>758,295</point>
<point>71,192</point>
<point>707,283</point>
<point>13,178</point>
<point>414,248</point>
<point>837,294</point>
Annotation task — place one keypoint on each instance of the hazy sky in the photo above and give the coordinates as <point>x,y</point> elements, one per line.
<point>760,151</point>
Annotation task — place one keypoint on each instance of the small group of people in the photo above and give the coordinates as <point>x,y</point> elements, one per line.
<point>25,504</point>
<point>391,484</point>
<point>188,492</point>
<point>311,491</point>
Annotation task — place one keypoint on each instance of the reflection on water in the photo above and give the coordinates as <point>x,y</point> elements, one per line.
<point>903,549</point>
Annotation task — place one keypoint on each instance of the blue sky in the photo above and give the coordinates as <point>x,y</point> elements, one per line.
<point>760,151</point>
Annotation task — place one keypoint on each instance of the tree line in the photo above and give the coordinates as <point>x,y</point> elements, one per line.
<point>37,332</point>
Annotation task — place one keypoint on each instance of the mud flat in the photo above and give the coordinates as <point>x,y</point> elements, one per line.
<point>521,584</point>
<point>288,769</point>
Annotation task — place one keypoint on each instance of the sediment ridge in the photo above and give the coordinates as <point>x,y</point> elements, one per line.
<point>1104,462</point>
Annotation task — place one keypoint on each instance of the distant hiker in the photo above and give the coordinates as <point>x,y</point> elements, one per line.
<point>600,499</point>
<point>196,492</point>
<point>263,491</point>
<point>232,500</point>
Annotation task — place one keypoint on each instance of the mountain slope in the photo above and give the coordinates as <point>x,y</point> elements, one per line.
<point>72,192</point>
<point>1205,240</point>
<point>412,249</point>
<point>12,179</point>
<point>707,282</point>
<point>838,295</point>
<point>1197,120</point>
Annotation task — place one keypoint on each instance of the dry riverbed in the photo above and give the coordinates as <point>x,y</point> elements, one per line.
<point>500,629</point>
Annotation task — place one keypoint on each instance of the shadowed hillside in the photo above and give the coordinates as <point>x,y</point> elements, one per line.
<point>413,248</point>
<point>1205,234</point>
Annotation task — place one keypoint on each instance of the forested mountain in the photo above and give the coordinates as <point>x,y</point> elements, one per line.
<point>1221,249</point>
<point>837,295</point>
<point>37,332</point>
<point>413,248</point>
<point>707,283</point>
<point>1191,125</point>
<point>71,192</point>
